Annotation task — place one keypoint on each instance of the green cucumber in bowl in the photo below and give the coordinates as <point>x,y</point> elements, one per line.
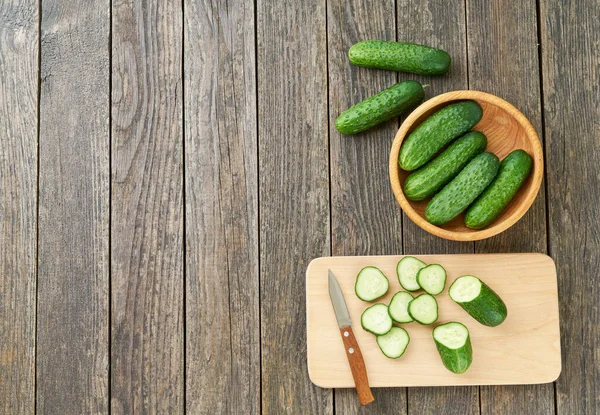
<point>435,132</point>
<point>371,284</point>
<point>457,195</point>
<point>513,172</point>
<point>407,270</point>
<point>393,344</point>
<point>385,105</point>
<point>424,309</point>
<point>400,57</point>
<point>376,319</point>
<point>398,308</point>
<point>434,175</point>
<point>479,300</point>
<point>453,343</point>
<point>432,279</point>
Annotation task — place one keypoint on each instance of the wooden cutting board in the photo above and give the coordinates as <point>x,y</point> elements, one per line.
<point>525,348</point>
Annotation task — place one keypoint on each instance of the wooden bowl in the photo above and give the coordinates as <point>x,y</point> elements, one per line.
<point>506,129</point>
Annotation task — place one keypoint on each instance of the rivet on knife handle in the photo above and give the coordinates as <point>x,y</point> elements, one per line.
<point>357,365</point>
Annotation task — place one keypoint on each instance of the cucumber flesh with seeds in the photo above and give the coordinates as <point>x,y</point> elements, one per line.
<point>479,300</point>
<point>407,270</point>
<point>393,344</point>
<point>400,57</point>
<point>457,195</point>
<point>376,319</point>
<point>387,104</point>
<point>398,307</point>
<point>438,172</point>
<point>453,343</point>
<point>371,284</point>
<point>432,279</point>
<point>435,132</point>
<point>424,309</point>
<point>513,172</point>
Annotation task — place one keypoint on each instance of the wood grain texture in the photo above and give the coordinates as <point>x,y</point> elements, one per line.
<point>293,193</point>
<point>223,337</point>
<point>72,322</point>
<point>571,62</point>
<point>357,366</point>
<point>441,24</point>
<point>147,355</point>
<point>364,218</point>
<point>510,29</point>
<point>525,348</point>
<point>18,203</point>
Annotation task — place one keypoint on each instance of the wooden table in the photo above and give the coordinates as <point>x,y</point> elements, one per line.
<point>169,169</point>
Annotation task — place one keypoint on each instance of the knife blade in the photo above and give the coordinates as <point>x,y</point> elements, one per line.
<point>353,353</point>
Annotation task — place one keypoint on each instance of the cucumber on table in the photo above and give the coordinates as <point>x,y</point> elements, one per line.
<point>381,107</point>
<point>371,284</point>
<point>438,172</point>
<point>479,300</point>
<point>435,132</point>
<point>393,343</point>
<point>432,279</point>
<point>513,172</point>
<point>424,309</point>
<point>376,319</point>
<point>457,195</point>
<point>407,270</point>
<point>454,346</point>
<point>400,57</point>
<point>398,308</point>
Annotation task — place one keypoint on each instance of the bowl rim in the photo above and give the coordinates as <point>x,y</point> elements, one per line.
<point>494,229</point>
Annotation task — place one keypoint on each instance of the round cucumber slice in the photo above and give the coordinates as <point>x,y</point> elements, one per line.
<point>376,319</point>
<point>398,307</point>
<point>407,270</point>
<point>371,284</point>
<point>424,309</point>
<point>394,343</point>
<point>432,279</point>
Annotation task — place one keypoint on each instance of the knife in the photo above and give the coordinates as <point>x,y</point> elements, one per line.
<point>355,358</point>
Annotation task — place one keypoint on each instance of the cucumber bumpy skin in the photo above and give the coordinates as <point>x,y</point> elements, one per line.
<point>456,355</point>
<point>480,301</point>
<point>457,195</point>
<point>513,172</point>
<point>435,132</point>
<point>438,172</point>
<point>400,57</point>
<point>385,105</point>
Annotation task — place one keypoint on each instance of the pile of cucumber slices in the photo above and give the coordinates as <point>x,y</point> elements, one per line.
<point>452,339</point>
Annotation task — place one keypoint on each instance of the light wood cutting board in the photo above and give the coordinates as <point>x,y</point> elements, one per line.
<point>525,348</point>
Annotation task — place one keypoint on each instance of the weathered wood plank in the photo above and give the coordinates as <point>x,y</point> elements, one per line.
<point>570,62</point>
<point>147,355</point>
<point>18,203</point>
<point>293,193</point>
<point>440,24</point>
<point>364,215</point>
<point>503,60</point>
<point>223,337</point>
<point>73,327</point>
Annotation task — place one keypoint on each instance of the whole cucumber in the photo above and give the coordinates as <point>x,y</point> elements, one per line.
<point>457,195</point>
<point>436,131</point>
<point>513,172</point>
<point>400,57</point>
<point>438,172</point>
<point>381,107</point>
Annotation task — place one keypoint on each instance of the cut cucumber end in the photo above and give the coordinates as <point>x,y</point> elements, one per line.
<point>407,270</point>
<point>376,319</point>
<point>371,284</point>
<point>394,343</point>
<point>432,279</point>
<point>465,289</point>
<point>453,335</point>
<point>424,309</point>
<point>398,308</point>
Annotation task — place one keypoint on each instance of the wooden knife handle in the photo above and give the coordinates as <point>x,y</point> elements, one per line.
<point>357,365</point>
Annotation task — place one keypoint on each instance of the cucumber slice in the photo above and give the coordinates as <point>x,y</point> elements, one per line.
<point>407,270</point>
<point>371,284</point>
<point>479,300</point>
<point>454,346</point>
<point>394,343</point>
<point>432,279</point>
<point>376,319</point>
<point>398,307</point>
<point>424,309</point>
